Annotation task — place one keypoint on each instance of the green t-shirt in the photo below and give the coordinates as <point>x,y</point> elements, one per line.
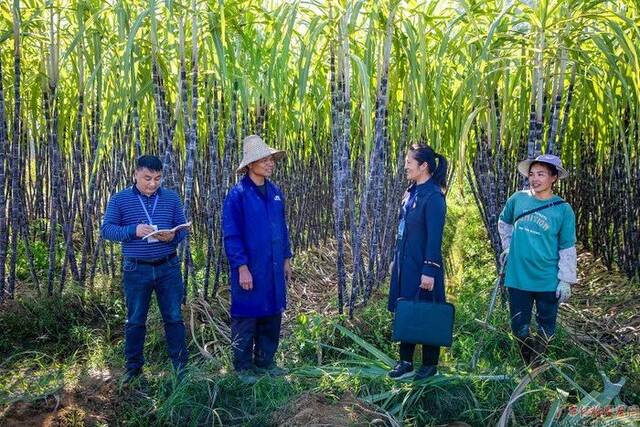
<point>532,264</point>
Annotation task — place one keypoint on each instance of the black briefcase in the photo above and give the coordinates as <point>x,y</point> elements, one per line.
<point>423,322</point>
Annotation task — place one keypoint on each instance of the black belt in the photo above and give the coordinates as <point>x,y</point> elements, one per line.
<point>155,262</point>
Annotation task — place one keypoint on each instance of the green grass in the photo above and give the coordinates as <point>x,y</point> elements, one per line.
<point>52,344</point>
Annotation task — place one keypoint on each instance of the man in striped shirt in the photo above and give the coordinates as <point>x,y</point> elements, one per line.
<point>149,264</point>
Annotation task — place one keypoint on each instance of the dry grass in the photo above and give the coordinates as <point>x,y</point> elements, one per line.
<point>604,312</point>
<point>314,283</point>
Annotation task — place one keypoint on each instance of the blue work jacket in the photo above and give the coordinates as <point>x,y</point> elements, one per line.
<point>255,234</point>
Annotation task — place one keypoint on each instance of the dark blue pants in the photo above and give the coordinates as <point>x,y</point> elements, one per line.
<point>254,341</point>
<point>521,306</point>
<point>140,280</point>
<point>430,354</point>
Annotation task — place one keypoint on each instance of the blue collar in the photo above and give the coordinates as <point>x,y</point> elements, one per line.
<point>246,180</point>
<point>139,193</point>
<point>428,185</point>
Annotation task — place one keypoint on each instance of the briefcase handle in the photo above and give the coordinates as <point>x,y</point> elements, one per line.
<point>417,297</point>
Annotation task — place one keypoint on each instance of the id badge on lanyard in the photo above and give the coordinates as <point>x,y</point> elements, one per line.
<point>405,208</point>
<point>150,217</point>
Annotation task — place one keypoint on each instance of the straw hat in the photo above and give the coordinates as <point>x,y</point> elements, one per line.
<point>254,149</point>
<point>523,166</point>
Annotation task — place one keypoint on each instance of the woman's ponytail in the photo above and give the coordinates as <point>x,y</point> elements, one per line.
<point>440,174</point>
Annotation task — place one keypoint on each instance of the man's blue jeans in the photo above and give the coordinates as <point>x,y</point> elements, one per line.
<point>139,281</point>
<point>521,306</point>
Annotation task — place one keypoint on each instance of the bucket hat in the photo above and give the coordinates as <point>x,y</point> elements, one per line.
<point>550,159</point>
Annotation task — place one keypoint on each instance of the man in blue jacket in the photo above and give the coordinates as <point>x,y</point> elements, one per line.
<point>256,241</point>
<point>149,264</point>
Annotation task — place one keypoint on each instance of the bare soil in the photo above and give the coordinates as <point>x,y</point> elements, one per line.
<point>311,409</point>
<point>89,403</point>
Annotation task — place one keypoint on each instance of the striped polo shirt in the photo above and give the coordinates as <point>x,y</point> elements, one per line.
<point>125,211</point>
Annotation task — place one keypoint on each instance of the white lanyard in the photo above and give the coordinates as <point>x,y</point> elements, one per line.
<point>155,203</point>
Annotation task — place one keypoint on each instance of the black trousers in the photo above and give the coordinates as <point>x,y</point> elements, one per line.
<point>254,340</point>
<point>430,354</point>
<point>521,306</point>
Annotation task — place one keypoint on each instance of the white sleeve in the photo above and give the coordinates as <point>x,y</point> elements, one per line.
<point>567,265</point>
<point>505,230</point>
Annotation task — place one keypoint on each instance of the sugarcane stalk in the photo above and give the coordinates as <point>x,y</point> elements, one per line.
<point>567,106</point>
<point>535,115</point>
<point>540,107</point>
<point>395,188</point>
<point>15,147</point>
<point>77,179</point>
<point>552,147</point>
<point>338,178</point>
<point>231,140</point>
<point>93,189</point>
<point>373,183</point>
<point>214,196</point>
<point>4,144</point>
<point>378,177</point>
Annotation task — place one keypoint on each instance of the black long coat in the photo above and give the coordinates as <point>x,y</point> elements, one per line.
<point>419,250</point>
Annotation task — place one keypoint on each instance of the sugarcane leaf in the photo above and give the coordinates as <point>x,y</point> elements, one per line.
<point>555,409</point>
<point>379,355</point>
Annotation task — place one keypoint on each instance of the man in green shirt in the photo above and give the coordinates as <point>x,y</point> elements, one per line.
<point>537,231</point>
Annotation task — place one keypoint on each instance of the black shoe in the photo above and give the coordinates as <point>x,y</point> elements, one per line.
<point>179,370</point>
<point>539,351</point>
<point>133,375</point>
<point>135,381</point>
<point>247,376</point>
<point>525,347</point>
<point>425,371</point>
<point>272,369</point>
<point>401,370</point>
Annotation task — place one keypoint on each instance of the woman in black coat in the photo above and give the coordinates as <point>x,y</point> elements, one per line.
<point>417,269</point>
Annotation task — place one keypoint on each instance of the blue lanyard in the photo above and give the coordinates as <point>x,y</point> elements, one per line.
<point>409,202</point>
<point>155,203</point>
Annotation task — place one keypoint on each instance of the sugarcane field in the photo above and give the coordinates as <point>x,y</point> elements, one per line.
<point>319,213</point>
